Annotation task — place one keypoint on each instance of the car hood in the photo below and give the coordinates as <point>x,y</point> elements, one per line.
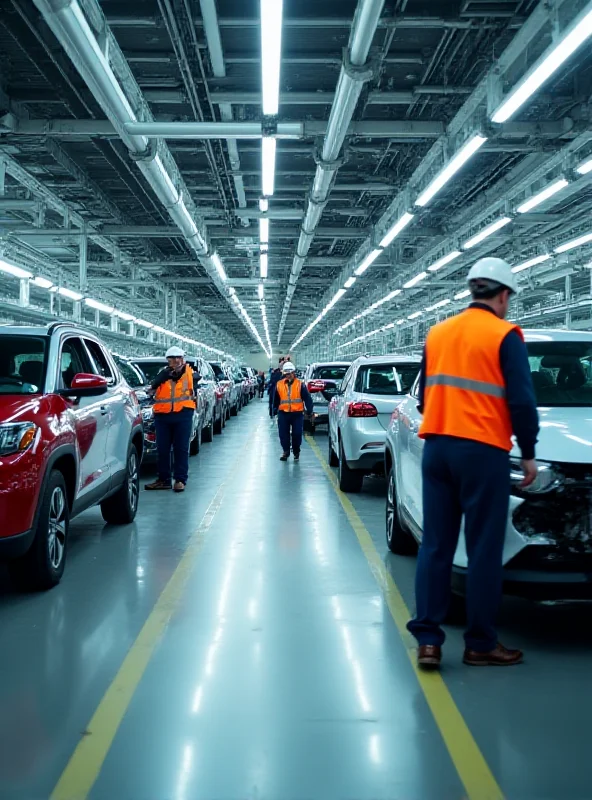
<point>565,436</point>
<point>14,408</point>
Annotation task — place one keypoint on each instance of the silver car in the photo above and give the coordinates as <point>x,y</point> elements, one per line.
<point>361,411</point>
<point>323,382</point>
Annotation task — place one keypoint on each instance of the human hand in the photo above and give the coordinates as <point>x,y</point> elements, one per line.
<point>530,470</point>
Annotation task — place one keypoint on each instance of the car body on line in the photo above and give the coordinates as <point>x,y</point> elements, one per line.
<point>323,381</point>
<point>71,437</point>
<point>226,383</point>
<point>548,545</point>
<point>360,412</point>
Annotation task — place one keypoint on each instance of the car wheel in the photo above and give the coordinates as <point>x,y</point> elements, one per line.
<point>234,410</point>
<point>350,480</point>
<point>398,538</point>
<point>218,424</point>
<point>207,434</point>
<point>332,457</point>
<point>121,507</point>
<point>195,444</point>
<point>43,565</point>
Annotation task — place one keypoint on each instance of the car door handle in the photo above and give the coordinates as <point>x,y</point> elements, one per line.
<point>104,410</point>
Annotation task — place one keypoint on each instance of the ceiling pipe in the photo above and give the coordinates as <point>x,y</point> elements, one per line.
<point>352,77</point>
<point>212,130</point>
<point>70,27</point>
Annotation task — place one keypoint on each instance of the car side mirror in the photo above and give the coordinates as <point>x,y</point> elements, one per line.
<point>86,385</point>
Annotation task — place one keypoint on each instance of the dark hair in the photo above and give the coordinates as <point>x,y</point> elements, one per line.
<point>484,289</point>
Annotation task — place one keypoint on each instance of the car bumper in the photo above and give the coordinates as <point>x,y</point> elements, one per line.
<point>20,481</point>
<point>17,545</point>
<point>364,444</point>
<point>533,584</point>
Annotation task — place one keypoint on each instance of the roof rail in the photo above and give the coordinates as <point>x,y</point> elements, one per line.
<point>54,325</point>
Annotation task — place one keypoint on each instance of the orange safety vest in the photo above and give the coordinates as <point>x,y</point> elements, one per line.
<point>465,392</point>
<point>290,395</point>
<point>175,395</point>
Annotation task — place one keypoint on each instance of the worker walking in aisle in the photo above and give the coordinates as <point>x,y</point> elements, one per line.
<point>174,410</point>
<point>290,400</point>
<point>261,384</point>
<point>475,392</point>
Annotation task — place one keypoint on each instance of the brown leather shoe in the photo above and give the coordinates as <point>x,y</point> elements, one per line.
<point>500,656</point>
<point>158,486</point>
<point>429,656</point>
<point>179,486</point>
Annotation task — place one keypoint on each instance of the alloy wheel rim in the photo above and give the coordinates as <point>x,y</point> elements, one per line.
<point>57,525</point>
<point>133,484</point>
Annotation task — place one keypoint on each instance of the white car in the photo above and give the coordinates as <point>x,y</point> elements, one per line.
<point>323,382</point>
<point>360,413</point>
<point>548,547</point>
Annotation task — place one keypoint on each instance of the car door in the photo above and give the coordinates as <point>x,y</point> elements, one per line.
<point>340,402</point>
<point>409,455</point>
<point>118,403</point>
<point>90,419</point>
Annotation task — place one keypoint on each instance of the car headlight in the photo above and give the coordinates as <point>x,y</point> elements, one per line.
<point>16,437</point>
<point>547,479</point>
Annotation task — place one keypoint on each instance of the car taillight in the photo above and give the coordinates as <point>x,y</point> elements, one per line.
<point>219,394</point>
<point>361,410</point>
<point>315,386</point>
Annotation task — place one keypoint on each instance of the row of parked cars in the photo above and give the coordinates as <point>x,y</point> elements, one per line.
<point>373,428</point>
<point>76,423</point>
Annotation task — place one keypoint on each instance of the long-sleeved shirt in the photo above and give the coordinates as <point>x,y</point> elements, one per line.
<point>304,394</point>
<point>520,395</point>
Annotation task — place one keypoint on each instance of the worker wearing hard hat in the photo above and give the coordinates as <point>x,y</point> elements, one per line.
<point>475,393</point>
<point>174,409</point>
<point>291,398</point>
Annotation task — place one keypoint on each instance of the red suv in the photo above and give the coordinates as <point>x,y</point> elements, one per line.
<point>70,437</point>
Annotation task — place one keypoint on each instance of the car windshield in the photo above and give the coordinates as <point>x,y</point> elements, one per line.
<point>329,373</point>
<point>132,374</point>
<point>151,368</point>
<point>386,379</point>
<point>561,372</point>
<point>22,364</point>
<point>218,371</point>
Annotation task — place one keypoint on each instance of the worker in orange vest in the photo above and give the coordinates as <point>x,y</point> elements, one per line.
<point>174,410</point>
<point>475,392</point>
<point>291,399</point>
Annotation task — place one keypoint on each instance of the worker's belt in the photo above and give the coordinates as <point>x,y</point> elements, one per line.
<point>481,387</point>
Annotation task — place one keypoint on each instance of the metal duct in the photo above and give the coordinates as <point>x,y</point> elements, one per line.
<point>69,25</point>
<point>349,87</point>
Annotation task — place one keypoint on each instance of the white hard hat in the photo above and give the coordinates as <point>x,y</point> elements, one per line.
<point>496,270</point>
<point>175,352</point>
<point>287,366</point>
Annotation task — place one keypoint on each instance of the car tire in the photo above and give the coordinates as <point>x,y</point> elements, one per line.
<point>121,508</point>
<point>195,443</point>
<point>398,538</point>
<point>332,457</point>
<point>234,410</point>
<point>43,564</point>
<point>350,480</point>
<point>219,424</point>
<point>207,434</point>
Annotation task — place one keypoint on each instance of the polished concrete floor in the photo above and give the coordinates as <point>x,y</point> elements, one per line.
<point>241,636</point>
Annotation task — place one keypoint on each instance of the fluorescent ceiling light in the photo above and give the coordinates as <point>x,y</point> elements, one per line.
<point>488,231</point>
<point>414,281</point>
<point>539,198</point>
<point>535,78</point>
<point>586,167</point>
<point>219,267</point>
<point>42,283</point>
<point>16,272</point>
<point>98,306</point>
<point>124,316</point>
<point>462,295</point>
<point>441,262</point>
<point>441,304</point>
<point>563,248</point>
<point>396,229</point>
<point>370,259</point>
<point>260,291</point>
<point>264,231</point>
<point>268,145</point>
<point>415,315</point>
<point>531,262</point>
<point>263,204</point>
<point>144,324</point>
<point>271,53</point>
<point>349,282</point>
<point>453,166</point>
<point>71,295</point>
<point>400,322</point>
<point>263,265</point>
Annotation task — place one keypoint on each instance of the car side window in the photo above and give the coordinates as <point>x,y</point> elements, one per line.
<point>102,366</point>
<point>415,388</point>
<point>74,359</point>
<point>345,384</point>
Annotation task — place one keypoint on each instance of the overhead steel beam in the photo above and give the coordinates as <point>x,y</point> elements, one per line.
<point>14,204</point>
<point>241,283</point>
<point>212,130</point>
<point>273,213</point>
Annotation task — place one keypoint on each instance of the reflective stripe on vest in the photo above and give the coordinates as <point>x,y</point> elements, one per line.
<point>172,396</point>
<point>290,396</point>
<point>465,392</point>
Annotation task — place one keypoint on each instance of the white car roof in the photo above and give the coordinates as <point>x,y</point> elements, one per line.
<point>388,358</point>
<point>548,335</point>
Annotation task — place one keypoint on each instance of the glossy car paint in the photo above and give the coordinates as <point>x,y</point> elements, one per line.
<point>321,400</point>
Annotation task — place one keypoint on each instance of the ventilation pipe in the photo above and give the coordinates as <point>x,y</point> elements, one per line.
<point>354,73</point>
<point>69,25</point>
<point>212,32</point>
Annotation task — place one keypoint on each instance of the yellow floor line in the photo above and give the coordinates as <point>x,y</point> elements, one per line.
<point>468,760</point>
<point>84,766</point>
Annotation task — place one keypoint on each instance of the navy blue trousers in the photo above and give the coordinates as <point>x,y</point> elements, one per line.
<point>173,431</point>
<point>461,477</point>
<point>294,421</point>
